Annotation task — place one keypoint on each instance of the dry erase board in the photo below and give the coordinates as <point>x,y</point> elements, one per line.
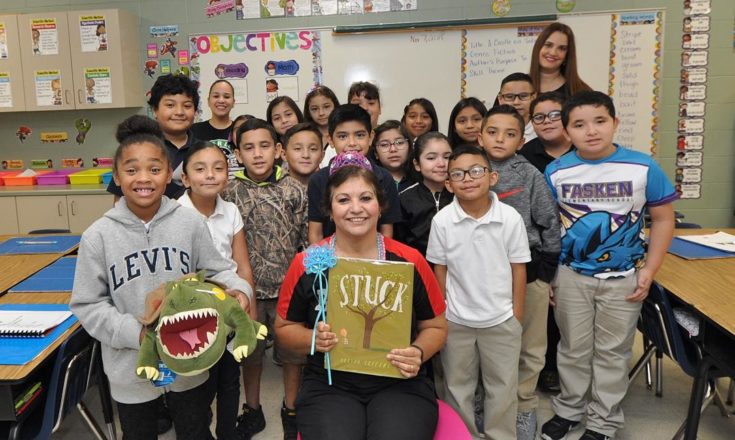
<point>618,53</point>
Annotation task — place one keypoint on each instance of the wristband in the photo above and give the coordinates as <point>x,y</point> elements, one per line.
<point>419,349</point>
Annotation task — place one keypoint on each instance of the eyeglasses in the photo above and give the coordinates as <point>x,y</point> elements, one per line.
<point>553,116</point>
<point>510,97</point>
<point>457,174</point>
<point>400,144</point>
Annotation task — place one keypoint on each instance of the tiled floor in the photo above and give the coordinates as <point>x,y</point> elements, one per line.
<point>647,416</point>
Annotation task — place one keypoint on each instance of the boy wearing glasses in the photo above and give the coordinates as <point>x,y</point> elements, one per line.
<point>552,143</point>
<point>523,187</point>
<point>552,140</point>
<point>480,249</point>
<point>517,90</point>
<point>350,129</point>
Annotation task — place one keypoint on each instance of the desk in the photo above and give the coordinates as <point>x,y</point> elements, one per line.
<point>16,268</point>
<point>707,287</point>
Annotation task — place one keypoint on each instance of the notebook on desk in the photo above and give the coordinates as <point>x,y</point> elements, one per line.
<point>692,248</point>
<point>57,277</point>
<point>20,351</point>
<point>30,323</point>
<point>40,244</point>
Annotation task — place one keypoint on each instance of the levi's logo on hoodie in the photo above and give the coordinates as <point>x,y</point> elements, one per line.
<point>151,260</point>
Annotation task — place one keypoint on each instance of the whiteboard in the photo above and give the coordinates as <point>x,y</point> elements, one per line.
<point>444,65</point>
<point>404,65</point>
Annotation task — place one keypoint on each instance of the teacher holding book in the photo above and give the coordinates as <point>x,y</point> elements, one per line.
<point>332,402</point>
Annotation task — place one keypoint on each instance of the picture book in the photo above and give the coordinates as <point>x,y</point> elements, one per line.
<point>369,307</point>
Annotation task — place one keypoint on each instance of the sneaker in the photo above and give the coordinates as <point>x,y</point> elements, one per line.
<point>593,435</point>
<point>250,422</point>
<point>548,382</point>
<point>526,425</point>
<point>288,419</point>
<point>557,428</point>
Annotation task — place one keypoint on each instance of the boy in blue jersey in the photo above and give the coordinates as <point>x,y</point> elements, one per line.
<point>602,191</point>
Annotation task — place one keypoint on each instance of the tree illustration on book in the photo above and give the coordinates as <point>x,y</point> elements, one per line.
<point>370,307</point>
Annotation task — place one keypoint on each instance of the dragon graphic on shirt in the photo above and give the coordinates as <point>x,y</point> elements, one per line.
<point>187,326</point>
<point>595,243</point>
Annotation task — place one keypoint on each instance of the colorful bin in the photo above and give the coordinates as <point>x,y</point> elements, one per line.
<point>88,177</point>
<point>4,174</point>
<point>57,177</point>
<point>18,180</point>
<point>107,178</point>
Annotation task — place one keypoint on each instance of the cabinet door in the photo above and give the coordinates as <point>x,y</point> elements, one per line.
<point>11,73</point>
<point>104,51</point>
<point>85,209</point>
<point>9,217</point>
<point>41,212</point>
<point>44,45</point>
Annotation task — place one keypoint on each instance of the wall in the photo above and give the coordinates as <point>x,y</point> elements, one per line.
<point>714,209</point>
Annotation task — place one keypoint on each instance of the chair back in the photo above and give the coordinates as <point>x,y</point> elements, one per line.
<point>70,379</point>
<point>660,327</point>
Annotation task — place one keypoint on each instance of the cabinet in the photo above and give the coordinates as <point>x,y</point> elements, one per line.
<point>11,73</point>
<point>9,216</point>
<point>73,212</point>
<point>79,60</point>
<point>84,210</point>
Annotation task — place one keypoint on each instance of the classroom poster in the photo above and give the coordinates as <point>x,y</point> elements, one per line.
<point>369,306</point>
<point>635,78</point>
<point>6,94</point>
<point>260,65</point>
<point>48,87</point>
<point>170,30</point>
<point>245,9</point>
<point>98,85</point>
<point>45,36</point>
<point>272,8</point>
<point>3,41</point>
<point>218,7</point>
<point>93,33</point>
<point>324,7</point>
<point>349,7</point>
<point>298,8</point>
<point>489,55</point>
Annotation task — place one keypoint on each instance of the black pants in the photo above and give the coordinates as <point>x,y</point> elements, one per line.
<point>188,410</point>
<point>552,341</point>
<point>406,411</point>
<point>224,383</point>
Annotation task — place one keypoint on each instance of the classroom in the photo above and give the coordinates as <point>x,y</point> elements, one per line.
<point>66,85</point>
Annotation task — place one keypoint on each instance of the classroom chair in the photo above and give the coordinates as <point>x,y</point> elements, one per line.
<point>71,377</point>
<point>49,231</point>
<point>665,335</point>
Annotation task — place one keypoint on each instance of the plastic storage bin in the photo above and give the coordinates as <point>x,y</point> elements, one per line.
<point>88,177</point>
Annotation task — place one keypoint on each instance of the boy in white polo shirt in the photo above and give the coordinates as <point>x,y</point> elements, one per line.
<point>480,248</point>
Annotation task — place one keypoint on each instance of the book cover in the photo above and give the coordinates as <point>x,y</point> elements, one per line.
<point>369,307</point>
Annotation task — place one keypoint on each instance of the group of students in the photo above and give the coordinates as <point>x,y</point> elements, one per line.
<point>526,201</point>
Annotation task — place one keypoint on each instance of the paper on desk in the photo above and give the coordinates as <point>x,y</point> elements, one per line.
<point>719,240</point>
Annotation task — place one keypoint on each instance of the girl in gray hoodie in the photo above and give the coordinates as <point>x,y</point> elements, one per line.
<point>142,242</point>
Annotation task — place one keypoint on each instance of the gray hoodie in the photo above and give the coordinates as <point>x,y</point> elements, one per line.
<point>523,187</point>
<point>119,263</point>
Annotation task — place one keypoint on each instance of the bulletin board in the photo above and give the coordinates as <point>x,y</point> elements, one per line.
<point>618,53</point>
<point>260,66</point>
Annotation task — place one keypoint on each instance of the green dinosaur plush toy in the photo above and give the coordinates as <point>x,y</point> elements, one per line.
<point>192,319</point>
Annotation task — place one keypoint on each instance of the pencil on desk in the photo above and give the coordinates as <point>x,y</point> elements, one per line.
<point>36,242</point>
